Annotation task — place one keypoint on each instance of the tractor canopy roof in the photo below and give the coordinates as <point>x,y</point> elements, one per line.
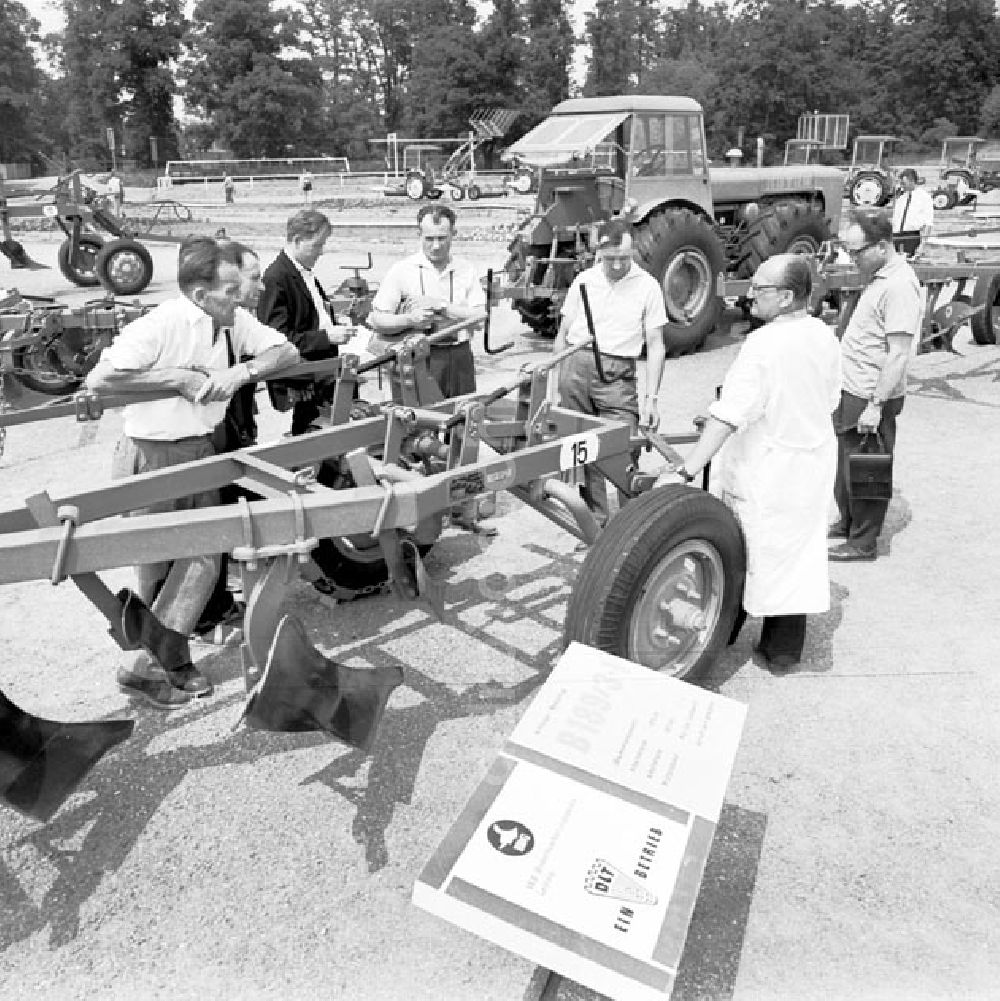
<point>576,128</point>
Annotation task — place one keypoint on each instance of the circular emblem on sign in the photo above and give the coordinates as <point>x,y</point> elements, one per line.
<point>510,837</point>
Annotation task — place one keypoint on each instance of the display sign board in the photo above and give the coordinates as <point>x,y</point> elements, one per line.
<point>584,846</point>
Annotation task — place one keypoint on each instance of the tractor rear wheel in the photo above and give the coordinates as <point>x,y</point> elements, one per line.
<point>869,189</point>
<point>682,252</point>
<point>663,583</point>
<point>416,185</point>
<point>124,267</point>
<point>793,227</point>
<point>81,268</point>
<point>986,324</point>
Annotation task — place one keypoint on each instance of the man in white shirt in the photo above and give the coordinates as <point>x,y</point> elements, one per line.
<point>912,214</point>
<point>627,308</point>
<point>428,291</point>
<point>779,456</point>
<point>185,345</point>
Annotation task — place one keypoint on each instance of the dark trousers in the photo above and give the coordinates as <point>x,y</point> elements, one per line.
<point>452,367</point>
<point>863,519</point>
<point>780,636</point>
<point>580,388</point>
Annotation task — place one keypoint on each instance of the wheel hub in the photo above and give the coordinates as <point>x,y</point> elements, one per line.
<point>687,284</point>
<point>676,614</point>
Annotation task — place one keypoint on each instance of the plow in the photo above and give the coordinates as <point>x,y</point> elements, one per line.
<point>660,584</point>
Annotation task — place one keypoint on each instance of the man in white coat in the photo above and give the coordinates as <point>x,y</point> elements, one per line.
<point>779,456</point>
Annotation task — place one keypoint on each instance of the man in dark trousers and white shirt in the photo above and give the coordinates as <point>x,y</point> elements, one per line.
<point>294,302</point>
<point>912,214</point>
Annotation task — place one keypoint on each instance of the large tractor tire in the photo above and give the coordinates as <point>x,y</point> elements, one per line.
<point>81,268</point>
<point>869,189</point>
<point>986,324</point>
<point>794,227</point>
<point>124,267</point>
<point>682,252</point>
<point>663,583</point>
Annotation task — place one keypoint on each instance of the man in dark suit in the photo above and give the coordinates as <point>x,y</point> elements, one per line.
<point>294,302</point>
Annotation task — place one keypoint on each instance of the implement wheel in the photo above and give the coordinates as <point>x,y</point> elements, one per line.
<point>663,583</point>
<point>81,268</point>
<point>124,267</point>
<point>986,324</point>
<point>681,251</point>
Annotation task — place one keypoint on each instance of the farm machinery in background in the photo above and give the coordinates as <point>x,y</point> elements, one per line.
<point>121,264</point>
<point>871,177</point>
<point>970,166</point>
<point>423,171</point>
<point>645,158</point>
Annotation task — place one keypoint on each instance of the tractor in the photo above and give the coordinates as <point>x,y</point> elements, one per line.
<point>871,178</point>
<point>802,152</point>
<point>969,166</point>
<point>644,158</point>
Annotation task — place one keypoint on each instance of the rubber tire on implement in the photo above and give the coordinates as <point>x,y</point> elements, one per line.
<point>82,270</point>
<point>124,267</point>
<point>985,328</point>
<point>944,199</point>
<point>415,186</point>
<point>474,193</point>
<point>796,227</point>
<point>682,252</point>
<point>634,567</point>
<point>39,369</point>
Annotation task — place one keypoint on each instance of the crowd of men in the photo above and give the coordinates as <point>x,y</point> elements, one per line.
<point>795,406</point>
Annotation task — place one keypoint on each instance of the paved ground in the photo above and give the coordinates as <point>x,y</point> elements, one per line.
<point>853,860</point>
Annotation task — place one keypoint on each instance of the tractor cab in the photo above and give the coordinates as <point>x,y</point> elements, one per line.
<point>802,152</point>
<point>959,151</point>
<point>871,178</point>
<point>622,147</point>
<point>969,166</point>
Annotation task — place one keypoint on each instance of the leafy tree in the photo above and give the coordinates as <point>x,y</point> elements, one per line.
<point>19,82</point>
<point>989,115</point>
<point>622,36</point>
<point>262,100</point>
<point>547,58</point>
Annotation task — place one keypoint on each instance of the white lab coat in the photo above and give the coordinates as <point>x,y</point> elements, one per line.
<point>776,473</point>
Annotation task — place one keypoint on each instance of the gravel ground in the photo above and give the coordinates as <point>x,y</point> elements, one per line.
<point>852,860</point>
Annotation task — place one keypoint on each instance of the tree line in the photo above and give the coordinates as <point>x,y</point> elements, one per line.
<point>322,77</point>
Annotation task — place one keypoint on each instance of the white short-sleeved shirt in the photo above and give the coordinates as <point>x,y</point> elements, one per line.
<point>178,334</point>
<point>918,208</point>
<point>622,310</point>
<point>415,276</point>
<point>891,303</point>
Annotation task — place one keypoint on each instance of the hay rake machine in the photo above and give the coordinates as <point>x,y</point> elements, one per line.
<point>660,585</point>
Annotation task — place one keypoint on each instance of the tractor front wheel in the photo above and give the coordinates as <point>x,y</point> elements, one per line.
<point>944,198</point>
<point>80,267</point>
<point>663,583</point>
<point>415,186</point>
<point>681,251</point>
<point>124,267</point>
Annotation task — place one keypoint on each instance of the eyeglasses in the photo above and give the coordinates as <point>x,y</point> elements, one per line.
<point>855,253</point>
<point>757,289</point>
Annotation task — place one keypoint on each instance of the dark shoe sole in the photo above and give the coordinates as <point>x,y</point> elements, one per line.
<point>842,555</point>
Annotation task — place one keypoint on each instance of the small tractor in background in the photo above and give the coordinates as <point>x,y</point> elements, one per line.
<point>970,166</point>
<point>645,158</point>
<point>871,178</point>
<point>802,152</point>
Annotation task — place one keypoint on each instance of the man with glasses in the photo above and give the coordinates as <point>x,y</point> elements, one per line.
<point>779,456</point>
<point>627,308</point>
<point>875,350</point>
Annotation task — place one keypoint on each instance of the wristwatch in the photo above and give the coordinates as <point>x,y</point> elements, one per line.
<point>252,371</point>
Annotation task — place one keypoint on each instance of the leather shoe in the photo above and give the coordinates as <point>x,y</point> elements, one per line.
<point>189,680</point>
<point>838,530</point>
<point>852,554</point>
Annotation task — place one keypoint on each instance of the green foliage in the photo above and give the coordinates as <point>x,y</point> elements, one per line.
<point>989,115</point>
<point>19,80</point>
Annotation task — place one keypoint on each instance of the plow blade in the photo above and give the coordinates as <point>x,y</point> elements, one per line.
<point>18,256</point>
<point>42,761</point>
<point>303,690</point>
